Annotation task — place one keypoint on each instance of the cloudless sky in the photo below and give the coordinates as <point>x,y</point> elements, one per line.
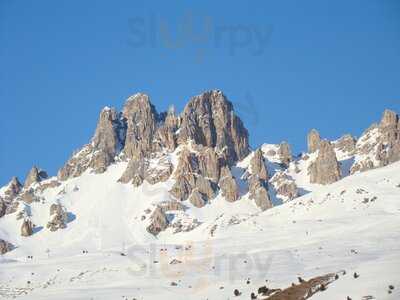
<point>332,65</point>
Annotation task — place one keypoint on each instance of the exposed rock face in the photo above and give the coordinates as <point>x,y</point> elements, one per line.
<point>34,176</point>
<point>209,164</point>
<point>27,228</point>
<point>229,187</point>
<point>346,143</point>
<point>58,217</point>
<point>197,199</point>
<point>2,207</point>
<point>14,187</point>
<point>5,247</point>
<point>108,139</point>
<point>167,132</point>
<point>107,142</point>
<point>259,192</point>
<point>379,145</point>
<point>257,164</point>
<point>209,120</point>
<point>134,172</point>
<point>285,155</point>
<point>285,186</point>
<point>313,140</point>
<point>141,119</point>
<point>159,221</point>
<point>325,169</point>
<point>188,177</point>
<point>258,181</point>
<point>7,203</point>
<point>389,147</point>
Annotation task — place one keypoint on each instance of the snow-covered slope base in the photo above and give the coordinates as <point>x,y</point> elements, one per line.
<point>106,253</point>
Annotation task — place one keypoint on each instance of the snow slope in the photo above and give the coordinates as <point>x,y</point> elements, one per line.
<point>352,225</point>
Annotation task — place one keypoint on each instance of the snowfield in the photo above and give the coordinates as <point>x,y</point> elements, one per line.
<point>105,252</point>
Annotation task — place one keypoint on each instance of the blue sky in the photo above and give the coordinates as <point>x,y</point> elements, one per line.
<point>288,66</point>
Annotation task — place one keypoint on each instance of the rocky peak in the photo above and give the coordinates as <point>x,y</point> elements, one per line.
<point>325,169</point>
<point>34,176</point>
<point>209,120</point>
<point>141,121</point>
<point>313,140</point>
<point>389,118</point>
<point>109,134</point>
<point>14,187</point>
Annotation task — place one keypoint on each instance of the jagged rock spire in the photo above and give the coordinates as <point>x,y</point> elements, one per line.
<point>313,140</point>
<point>258,181</point>
<point>325,169</point>
<point>141,118</point>
<point>285,154</point>
<point>34,176</point>
<point>109,135</point>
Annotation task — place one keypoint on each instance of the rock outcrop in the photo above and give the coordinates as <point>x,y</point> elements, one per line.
<point>258,181</point>
<point>346,143</point>
<point>257,165</point>
<point>285,187</point>
<point>8,203</point>
<point>13,189</point>
<point>34,176</point>
<point>285,154</point>
<point>188,177</point>
<point>325,169</point>
<point>58,217</point>
<point>108,139</point>
<point>5,247</point>
<point>229,187</point>
<point>379,145</point>
<point>313,140</point>
<point>197,199</point>
<point>141,121</point>
<point>166,133</point>
<point>159,221</point>
<point>27,228</point>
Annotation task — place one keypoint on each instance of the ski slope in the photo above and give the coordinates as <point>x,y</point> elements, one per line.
<point>351,225</point>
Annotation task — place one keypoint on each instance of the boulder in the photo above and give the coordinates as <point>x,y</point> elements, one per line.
<point>27,228</point>
<point>58,217</point>
<point>5,247</point>
<point>158,221</point>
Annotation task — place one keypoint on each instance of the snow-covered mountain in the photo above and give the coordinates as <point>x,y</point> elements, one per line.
<point>178,206</point>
